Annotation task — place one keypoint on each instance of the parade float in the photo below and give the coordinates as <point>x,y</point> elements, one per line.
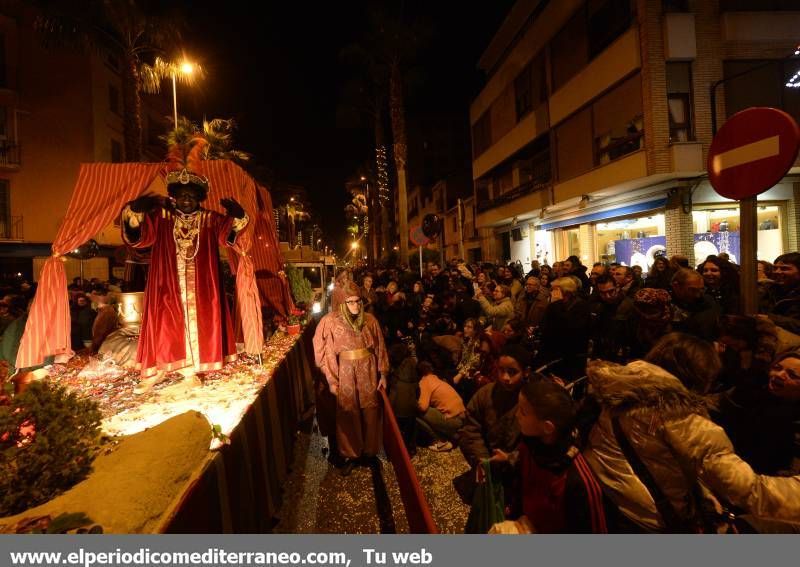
<point>176,458</point>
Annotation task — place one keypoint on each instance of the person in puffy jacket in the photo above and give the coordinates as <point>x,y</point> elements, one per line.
<point>667,426</point>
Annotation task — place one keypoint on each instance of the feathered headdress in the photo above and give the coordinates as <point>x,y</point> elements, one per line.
<point>184,162</point>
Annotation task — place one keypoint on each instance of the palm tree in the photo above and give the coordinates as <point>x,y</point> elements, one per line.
<point>362,102</point>
<point>127,29</point>
<point>388,52</point>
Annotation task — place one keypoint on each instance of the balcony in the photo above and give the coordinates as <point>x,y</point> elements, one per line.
<point>11,228</point>
<point>10,155</point>
<point>515,193</point>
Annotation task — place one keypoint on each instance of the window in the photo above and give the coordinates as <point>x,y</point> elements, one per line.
<point>679,101</point>
<point>3,124</point>
<point>675,5</point>
<point>522,92</point>
<point>618,124</point>
<point>631,241</point>
<point>481,135</point>
<point>757,5</point>
<point>113,99</point>
<point>3,64</point>
<point>116,152</point>
<point>761,83</point>
<point>608,19</point>
<point>482,194</point>
<point>574,145</point>
<point>5,209</point>
<point>503,179</point>
<point>716,229</point>
<point>530,86</point>
<point>570,50</point>
<point>113,61</point>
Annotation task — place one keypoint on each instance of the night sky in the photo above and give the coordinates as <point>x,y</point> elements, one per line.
<point>277,72</point>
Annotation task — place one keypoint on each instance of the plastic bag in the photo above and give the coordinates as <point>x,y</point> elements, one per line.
<point>487,503</point>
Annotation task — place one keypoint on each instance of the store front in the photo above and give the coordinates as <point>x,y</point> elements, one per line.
<point>631,241</point>
<point>630,235</point>
<point>716,230</point>
<point>568,242</point>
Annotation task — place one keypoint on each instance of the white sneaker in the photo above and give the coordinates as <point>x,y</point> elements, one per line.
<point>441,446</point>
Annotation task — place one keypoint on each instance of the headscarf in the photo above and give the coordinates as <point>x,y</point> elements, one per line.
<point>350,289</point>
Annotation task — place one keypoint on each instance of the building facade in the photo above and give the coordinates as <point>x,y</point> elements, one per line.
<point>591,134</point>
<point>58,108</point>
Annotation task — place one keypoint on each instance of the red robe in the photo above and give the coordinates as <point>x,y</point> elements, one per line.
<point>165,336</point>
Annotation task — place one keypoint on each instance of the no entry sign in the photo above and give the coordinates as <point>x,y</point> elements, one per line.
<point>418,237</point>
<point>752,152</point>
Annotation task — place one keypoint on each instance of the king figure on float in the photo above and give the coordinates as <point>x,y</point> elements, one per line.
<point>186,324</point>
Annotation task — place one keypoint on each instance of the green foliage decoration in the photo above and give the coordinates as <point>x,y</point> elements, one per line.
<point>49,437</point>
<point>302,291</point>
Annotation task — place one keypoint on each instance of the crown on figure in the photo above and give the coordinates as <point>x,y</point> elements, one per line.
<point>185,177</point>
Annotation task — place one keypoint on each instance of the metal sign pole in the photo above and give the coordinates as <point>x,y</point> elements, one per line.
<point>420,260</point>
<point>748,252</point>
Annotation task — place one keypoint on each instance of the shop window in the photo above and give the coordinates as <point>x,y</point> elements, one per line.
<point>717,230</point>
<point>633,241</point>
<point>679,101</point>
<point>574,145</point>
<point>482,134</point>
<point>608,19</point>
<point>618,122</point>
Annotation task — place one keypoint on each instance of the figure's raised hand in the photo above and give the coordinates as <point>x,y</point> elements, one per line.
<point>232,208</point>
<point>146,203</point>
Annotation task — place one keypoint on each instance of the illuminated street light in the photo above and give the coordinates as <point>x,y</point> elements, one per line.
<point>354,245</point>
<point>187,72</point>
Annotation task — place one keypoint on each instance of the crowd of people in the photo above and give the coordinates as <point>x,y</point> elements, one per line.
<point>93,317</point>
<point>605,398</point>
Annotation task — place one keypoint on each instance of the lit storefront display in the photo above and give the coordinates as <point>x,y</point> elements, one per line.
<point>631,241</point>
<point>716,230</point>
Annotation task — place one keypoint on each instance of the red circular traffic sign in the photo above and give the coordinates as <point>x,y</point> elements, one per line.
<point>752,152</point>
<point>418,237</point>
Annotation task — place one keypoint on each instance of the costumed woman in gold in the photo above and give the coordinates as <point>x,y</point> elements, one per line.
<point>349,349</point>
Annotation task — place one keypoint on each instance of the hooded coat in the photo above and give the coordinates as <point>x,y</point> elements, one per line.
<point>669,429</point>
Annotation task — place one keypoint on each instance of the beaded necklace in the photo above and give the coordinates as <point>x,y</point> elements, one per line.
<point>186,232</point>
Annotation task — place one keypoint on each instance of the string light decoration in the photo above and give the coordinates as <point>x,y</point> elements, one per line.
<point>794,82</point>
<point>382,167</point>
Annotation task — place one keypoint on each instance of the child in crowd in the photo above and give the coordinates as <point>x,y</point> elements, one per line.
<point>440,407</point>
<point>556,491</point>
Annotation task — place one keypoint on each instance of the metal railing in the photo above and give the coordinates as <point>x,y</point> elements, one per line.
<point>515,193</point>
<point>11,228</point>
<point>10,154</point>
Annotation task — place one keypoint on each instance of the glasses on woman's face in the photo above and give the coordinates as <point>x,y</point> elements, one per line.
<point>353,302</point>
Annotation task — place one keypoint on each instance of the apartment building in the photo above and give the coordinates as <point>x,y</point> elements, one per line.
<point>58,108</point>
<point>591,134</point>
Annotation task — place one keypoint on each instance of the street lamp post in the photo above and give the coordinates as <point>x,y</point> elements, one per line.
<point>187,69</point>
